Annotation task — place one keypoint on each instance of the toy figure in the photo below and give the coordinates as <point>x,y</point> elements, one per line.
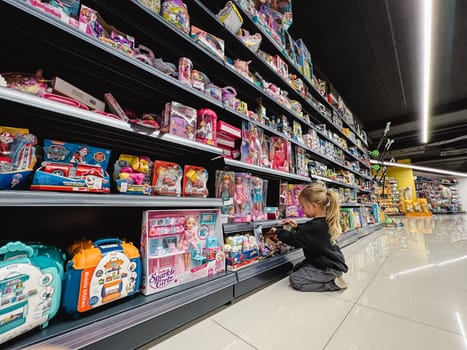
<point>78,157</point>
<point>239,197</point>
<point>188,241</point>
<point>6,139</point>
<point>278,161</point>
<point>257,194</point>
<point>225,189</point>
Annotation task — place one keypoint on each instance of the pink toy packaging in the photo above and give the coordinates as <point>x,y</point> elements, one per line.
<point>67,11</point>
<point>185,68</point>
<point>208,41</point>
<point>179,120</point>
<point>264,154</point>
<point>167,179</point>
<point>251,143</point>
<point>279,153</point>
<point>132,174</point>
<point>229,130</point>
<point>180,246</point>
<point>195,181</point>
<point>242,197</point>
<point>207,126</point>
<point>258,198</point>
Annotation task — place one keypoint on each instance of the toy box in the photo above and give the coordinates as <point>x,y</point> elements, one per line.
<point>304,59</point>
<point>240,251</point>
<point>225,191</point>
<point>67,11</point>
<point>180,246</point>
<point>195,181</point>
<point>207,126</point>
<point>30,287</point>
<point>231,17</point>
<point>153,5</point>
<point>251,143</point>
<point>100,272</point>
<point>167,178</point>
<point>242,197</point>
<point>72,167</point>
<point>185,68</point>
<point>17,156</point>
<point>64,88</point>
<point>229,130</point>
<point>179,120</point>
<point>176,13</point>
<point>132,174</point>
<point>279,153</point>
<point>210,42</point>
<point>301,162</point>
<point>259,190</point>
<point>289,205</point>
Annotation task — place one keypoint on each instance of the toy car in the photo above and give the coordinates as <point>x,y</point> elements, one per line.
<point>72,170</point>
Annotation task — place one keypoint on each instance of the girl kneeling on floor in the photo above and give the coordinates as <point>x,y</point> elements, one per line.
<point>324,262</point>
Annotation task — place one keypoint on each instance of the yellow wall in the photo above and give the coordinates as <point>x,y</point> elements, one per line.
<point>404,177</point>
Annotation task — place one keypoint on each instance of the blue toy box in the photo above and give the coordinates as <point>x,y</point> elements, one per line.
<point>72,167</point>
<point>30,287</point>
<point>100,272</point>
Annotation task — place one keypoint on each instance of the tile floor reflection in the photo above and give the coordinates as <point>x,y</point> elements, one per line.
<point>407,290</point>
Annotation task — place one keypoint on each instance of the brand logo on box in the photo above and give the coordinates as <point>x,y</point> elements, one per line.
<point>162,278</point>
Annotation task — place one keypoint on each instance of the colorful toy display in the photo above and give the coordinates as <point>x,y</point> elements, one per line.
<point>167,179</point>
<point>210,42</point>
<point>226,191</point>
<point>180,246</point>
<point>289,205</point>
<point>179,120</point>
<point>279,153</point>
<point>133,174</point>
<point>195,181</point>
<point>30,287</point>
<point>240,251</point>
<point>242,197</point>
<point>176,13</point>
<point>100,272</point>
<point>17,156</point>
<point>72,167</point>
<point>207,126</point>
<point>251,143</point>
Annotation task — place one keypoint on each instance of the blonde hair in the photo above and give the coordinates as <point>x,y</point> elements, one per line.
<point>329,202</point>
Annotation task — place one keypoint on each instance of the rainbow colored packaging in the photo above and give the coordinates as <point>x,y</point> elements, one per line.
<point>17,156</point>
<point>73,168</point>
<point>180,246</point>
<point>30,287</point>
<point>176,13</point>
<point>133,174</point>
<point>100,272</point>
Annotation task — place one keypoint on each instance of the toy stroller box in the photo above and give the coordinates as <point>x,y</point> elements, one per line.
<point>30,287</point>
<point>100,272</point>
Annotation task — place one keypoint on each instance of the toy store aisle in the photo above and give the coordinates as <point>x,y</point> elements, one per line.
<point>407,290</point>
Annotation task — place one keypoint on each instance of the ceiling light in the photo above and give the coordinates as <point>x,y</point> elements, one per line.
<point>420,168</point>
<point>427,22</point>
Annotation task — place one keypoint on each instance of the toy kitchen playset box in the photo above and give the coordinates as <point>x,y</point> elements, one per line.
<point>180,246</point>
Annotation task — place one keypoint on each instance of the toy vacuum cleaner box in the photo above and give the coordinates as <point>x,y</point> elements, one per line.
<point>100,272</point>
<point>30,287</point>
<point>180,246</point>
<point>72,167</point>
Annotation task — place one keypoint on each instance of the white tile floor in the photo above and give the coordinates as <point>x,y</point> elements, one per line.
<point>407,290</point>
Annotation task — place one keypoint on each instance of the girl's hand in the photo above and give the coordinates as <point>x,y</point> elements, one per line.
<point>290,222</point>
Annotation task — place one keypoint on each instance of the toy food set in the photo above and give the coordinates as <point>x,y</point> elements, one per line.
<point>208,41</point>
<point>242,197</point>
<point>94,25</point>
<point>195,181</point>
<point>17,156</point>
<point>72,167</point>
<point>231,17</point>
<point>67,11</point>
<point>259,188</point>
<point>153,5</point>
<point>167,178</point>
<point>30,287</point>
<point>180,246</point>
<point>100,272</point>
<point>251,143</point>
<point>179,120</point>
<point>240,251</point>
<point>207,126</point>
<point>133,174</point>
<point>185,67</point>
<point>176,13</point>
<point>225,190</point>
<point>279,153</point>
<point>64,88</point>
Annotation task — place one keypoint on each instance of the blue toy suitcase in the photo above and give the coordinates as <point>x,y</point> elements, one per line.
<point>100,272</point>
<point>30,287</point>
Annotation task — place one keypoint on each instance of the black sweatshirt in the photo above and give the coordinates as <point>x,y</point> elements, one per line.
<point>313,236</point>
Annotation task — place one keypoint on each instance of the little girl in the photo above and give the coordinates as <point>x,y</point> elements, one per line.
<point>324,262</point>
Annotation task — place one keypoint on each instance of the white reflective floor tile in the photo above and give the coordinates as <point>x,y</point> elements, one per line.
<point>356,281</point>
<point>367,329</point>
<point>426,303</point>
<point>280,318</point>
<point>206,335</point>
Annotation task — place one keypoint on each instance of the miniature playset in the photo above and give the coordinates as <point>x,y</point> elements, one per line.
<point>100,272</point>
<point>133,174</point>
<point>175,12</point>
<point>240,251</point>
<point>167,178</point>
<point>195,181</point>
<point>30,287</point>
<point>207,126</point>
<point>180,246</point>
<point>179,120</point>
<point>72,167</point>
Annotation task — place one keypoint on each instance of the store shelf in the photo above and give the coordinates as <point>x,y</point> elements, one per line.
<point>125,325</point>
<point>356,205</point>
<point>334,182</point>
<point>51,199</point>
<point>351,127</point>
<point>246,226</point>
<point>354,235</point>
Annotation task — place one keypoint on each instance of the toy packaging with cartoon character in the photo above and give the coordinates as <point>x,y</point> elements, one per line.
<point>167,179</point>
<point>241,250</point>
<point>72,167</point>
<point>180,246</point>
<point>195,181</point>
<point>133,174</point>
<point>179,120</point>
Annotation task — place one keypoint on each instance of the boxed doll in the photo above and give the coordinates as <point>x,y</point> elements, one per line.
<point>167,178</point>
<point>279,153</point>
<point>259,188</point>
<point>251,143</point>
<point>242,197</point>
<point>180,246</point>
<point>133,174</point>
<point>207,126</point>
<point>225,191</point>
<point>179,120</point>
<point>72,167</point>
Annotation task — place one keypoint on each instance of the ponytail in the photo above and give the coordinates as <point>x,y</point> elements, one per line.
<point>333,215</point>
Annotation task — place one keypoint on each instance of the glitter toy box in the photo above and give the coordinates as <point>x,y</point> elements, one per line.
<point>180,246</point>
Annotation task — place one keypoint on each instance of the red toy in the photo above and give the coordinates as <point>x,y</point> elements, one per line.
<point>167,178</point>
<point>195,181</point>
<point>207,125</point>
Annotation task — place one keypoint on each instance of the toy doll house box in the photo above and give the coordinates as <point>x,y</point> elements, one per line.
<point>30,287</point>
<point>180,246</point>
